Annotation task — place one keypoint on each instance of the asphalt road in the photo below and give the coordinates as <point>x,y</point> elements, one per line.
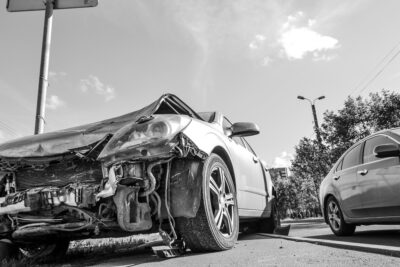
<point>259,250</point>
<point>386,235</point>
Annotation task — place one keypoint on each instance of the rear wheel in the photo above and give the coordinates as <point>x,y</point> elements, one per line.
<point>335,218</point>
<point>216,225</point>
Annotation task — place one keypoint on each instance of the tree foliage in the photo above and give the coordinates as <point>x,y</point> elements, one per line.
<point>358,118</point>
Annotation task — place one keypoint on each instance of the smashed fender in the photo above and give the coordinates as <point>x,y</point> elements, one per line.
<point>185,188</point>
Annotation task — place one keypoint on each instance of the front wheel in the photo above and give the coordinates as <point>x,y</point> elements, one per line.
<point>216,225</point>
<point>335,218</point>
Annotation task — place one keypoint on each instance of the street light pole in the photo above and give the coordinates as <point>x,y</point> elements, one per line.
<point>44,69</point>
<point>48,6</point>
<point>317,132</point>
<point>316,127</point>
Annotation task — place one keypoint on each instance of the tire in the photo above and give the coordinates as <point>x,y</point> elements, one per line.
<point>45,252</point>
<point>335,219</point>
<point>268,225</point>
<point>216,225</point>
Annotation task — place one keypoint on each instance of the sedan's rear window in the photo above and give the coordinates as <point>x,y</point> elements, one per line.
<point>352,158</point>
<point>396,131</point>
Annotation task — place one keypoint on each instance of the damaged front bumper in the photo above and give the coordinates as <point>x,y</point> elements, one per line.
<point>139,188</point>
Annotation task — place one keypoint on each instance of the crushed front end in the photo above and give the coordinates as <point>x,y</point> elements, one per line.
<point>137,180</point>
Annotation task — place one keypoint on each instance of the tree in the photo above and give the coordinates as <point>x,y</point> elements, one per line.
<point>342,129</point>
<point>287,189</point>
<point>385,110</point>
<point>310,165</point>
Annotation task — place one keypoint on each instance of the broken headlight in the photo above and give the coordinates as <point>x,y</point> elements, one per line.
<point>149,131</point>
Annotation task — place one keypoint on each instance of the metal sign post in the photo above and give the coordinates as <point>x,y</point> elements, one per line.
<point>49,6</point>
<point>44,68</point>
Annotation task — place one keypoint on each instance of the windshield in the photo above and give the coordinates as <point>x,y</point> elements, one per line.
<point>207,116</point>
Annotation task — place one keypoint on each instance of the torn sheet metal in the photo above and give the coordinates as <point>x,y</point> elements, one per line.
<point>63,141</point>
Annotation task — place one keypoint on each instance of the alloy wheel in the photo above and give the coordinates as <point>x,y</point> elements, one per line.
<point>222,201</point>
<point>334,216</point>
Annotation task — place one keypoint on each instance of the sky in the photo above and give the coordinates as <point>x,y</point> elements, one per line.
<point>247,59</point>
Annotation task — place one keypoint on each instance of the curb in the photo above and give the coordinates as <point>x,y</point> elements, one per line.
<point>313,220</point>
<point>379,249</point>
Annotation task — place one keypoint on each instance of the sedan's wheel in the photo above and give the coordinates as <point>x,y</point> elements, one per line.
<point>335,218</point>
<point>45,252</point>
<point>216,224</point>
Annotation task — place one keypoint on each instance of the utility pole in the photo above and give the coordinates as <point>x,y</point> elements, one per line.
<point>44,69</point>
<point>48,6</point>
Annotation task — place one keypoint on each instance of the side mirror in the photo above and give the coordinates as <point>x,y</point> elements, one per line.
<point>244,129</point>
<point>386,151</point>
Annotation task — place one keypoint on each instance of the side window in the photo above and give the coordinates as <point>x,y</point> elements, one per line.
<point>339,166</point>
<point>226,125</point>
<point>352,158</point>
<point>370,144</point>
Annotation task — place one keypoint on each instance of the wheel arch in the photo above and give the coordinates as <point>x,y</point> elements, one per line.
<point>225,157</point>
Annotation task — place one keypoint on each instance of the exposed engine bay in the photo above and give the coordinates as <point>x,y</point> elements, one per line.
<point>78,197</point>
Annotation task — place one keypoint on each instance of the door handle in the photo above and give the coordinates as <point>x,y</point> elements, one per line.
<point>336,177</point>
<point>363,172</point>
<point>255,159</point>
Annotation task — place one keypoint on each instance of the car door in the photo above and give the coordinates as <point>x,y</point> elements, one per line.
<point>257,182</point>
<point>379,180</point>
<point>251,192</point>
<point>345,182</point>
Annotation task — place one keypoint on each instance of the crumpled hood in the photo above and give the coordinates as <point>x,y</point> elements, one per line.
<point>64,141</point>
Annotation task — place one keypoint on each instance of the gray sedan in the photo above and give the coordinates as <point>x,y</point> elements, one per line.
<point>364,184</point>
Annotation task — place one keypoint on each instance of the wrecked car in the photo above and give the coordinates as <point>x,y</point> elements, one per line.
<point>192,177</point>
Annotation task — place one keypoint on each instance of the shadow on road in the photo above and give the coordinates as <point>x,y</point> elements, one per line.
<point>252,236</point>
<point>309,226</point>
<point>371,237</point>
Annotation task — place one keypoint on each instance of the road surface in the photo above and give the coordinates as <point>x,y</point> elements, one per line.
<point>259,250</point>
<point>386,235</point>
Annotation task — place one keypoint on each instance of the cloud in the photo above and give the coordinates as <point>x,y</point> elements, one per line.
<point>298,41</point>
<point>53,74</point>
<point>218,28</point>
<point>93,83</point>
<point>56,76</point>
<point>284,160</point>
<point>267,61</point>
<point>54,102</point>
<point>257,42</point>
